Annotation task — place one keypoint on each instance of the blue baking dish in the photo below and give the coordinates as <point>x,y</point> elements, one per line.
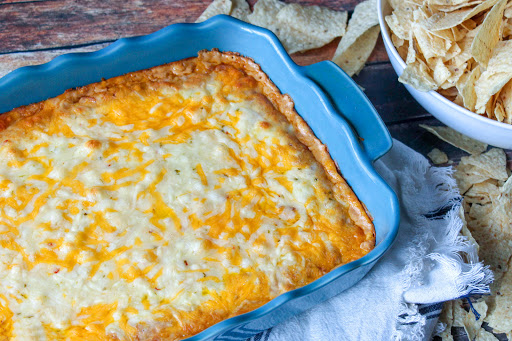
<point>331,103</point>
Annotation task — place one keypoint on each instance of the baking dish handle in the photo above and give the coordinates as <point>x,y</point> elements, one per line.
<point>353,105</point>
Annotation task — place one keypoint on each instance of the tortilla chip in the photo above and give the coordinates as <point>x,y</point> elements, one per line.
<point>451,8</point>
<point>453,52</point>
<point>458,100</point>
<point>507,30</point>
<point>476,213</point>
<point>441,72</point>
<point>450,93</point>
<point>215,8</point>
<point>298,28</point>
<point>488,35</point>
<point>471,324</point>
<point>461,82</point>
<point>417,76</point>
<point>488,207</point>
<point>490,226</point>
<point>397,42</point>
<point>456,139</point>
<point>452,19</point>
<point>438,157</point>
<point>240,10</point>
<point>446,318</point>
<point>496,76</point>
<point>484,335</point>
<point>264,14</point>
<point>459,33</point>
<point>429,44</point>
<point>352,45</point>
<point>447,34</point>
<point>483,169</point>
<point>411,51</point>
<point>499,110</point>
<point>506,189</point>
<point>466,177</point>
<point>400,26</point>
<point>447,2</point>
<point>508,11</point>
<point>469,25</point>
<point>465,46</point>
<point>500,318</point>
<point>459,313</point>
<point>404,49</point>
<point>320,23</point>
<point>483,193</point>
<point>456,72</point>
<point>465,231</point>
<point>506,99</point>
<point>468,91</point>
<point>492,164</point>
<point>354,58</point>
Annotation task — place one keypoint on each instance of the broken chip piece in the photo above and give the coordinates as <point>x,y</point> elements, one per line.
<point>357,44</point>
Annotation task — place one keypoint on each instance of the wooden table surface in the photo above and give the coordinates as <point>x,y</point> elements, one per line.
<point>36,31</point>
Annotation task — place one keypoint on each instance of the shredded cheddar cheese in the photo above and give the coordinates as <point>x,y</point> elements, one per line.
<point>161,202</point>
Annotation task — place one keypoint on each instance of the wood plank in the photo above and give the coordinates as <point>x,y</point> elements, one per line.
<point>11,2</point>
<point>28,26</point>
<point>333,4</point>
<point>53,24</point>
<point>388,95</point>
<point>12,61</point>
<point>347,5</point>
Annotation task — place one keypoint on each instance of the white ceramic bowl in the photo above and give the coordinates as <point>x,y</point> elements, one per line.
<point>475,126</point>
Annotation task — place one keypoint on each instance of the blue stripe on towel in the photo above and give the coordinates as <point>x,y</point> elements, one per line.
<point>430,311</point>
<point>425,309</point>
<point>263,336</point>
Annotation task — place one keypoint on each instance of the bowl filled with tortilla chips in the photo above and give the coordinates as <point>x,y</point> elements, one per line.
<point>455,58</point>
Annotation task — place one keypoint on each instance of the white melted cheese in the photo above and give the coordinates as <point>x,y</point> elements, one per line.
<point>115,225</point>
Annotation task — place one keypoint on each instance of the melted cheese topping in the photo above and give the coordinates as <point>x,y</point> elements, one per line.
<point>159,208</point>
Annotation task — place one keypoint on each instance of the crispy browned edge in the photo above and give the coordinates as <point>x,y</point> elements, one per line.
<point>282,102</point>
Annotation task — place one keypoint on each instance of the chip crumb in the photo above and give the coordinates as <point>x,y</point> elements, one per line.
<point>437,156</point>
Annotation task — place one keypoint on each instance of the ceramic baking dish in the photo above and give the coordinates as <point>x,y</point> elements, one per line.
<point>331,103</point>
